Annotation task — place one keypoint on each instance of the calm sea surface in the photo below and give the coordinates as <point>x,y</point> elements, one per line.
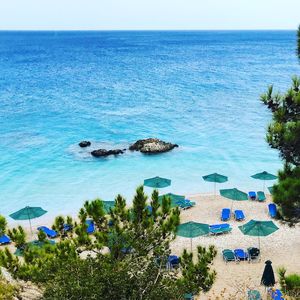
<point>197,89</point>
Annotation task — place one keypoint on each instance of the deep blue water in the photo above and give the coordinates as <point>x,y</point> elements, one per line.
<point>198,89</point>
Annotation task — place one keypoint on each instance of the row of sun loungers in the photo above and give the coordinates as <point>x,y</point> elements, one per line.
<point>259,196</point>
<point>274,294</point>
<point>52,234</point>
<point>226,214</point>
<point>239,214</point>
<point>241,255</point>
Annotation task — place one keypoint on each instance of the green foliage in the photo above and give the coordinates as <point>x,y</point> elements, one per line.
<point>7,291</point>
<point>198,277</point>
<point>3,224</point>
<point>42,237</point>
<point>284,132</point>
<point>135,267</point>
<point>287,193</point>
<point>18,236</point>
<point>290,284</point>
<point>284,135</point>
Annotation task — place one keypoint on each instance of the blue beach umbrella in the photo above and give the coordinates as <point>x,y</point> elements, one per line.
<point>157,182</point>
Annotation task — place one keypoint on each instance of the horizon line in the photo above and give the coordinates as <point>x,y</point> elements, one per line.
<point>108,30</point>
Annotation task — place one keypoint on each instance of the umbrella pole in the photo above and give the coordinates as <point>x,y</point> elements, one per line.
<point>215,190</point>
<point>259,247</point>
<point>29,222</point>
<point>191,245</point>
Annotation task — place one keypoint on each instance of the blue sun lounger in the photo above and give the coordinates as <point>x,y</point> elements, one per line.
<point>91,226</point>
<point>240,254</point>
<point>276,295</point>
<point>272,210</point>
<point>252,195</point>
<point>239,215</point>
<point>49,232</point>
<point>225,214</point>
<point>219,228</point>
<point>261,197</point>
<point>4,239</point>
<point>173,261</point>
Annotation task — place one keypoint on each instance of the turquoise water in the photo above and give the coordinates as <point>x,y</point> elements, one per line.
<point>197,89</point>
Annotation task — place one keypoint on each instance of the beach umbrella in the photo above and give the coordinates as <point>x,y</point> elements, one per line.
<point>264,176</point>
<point>268,278</point>
<point>175,199</point>
<point>258,228</point>
<point>157,182</point>
<point>234,194</point>
<point>28,213</point>
<point>216,178</point>
<point>107,205</point>
<point>192,230</point>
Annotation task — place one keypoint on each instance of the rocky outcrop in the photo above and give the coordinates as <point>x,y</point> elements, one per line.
<point>104,152</point>
<point>84,144</point>
<point>151,146</point>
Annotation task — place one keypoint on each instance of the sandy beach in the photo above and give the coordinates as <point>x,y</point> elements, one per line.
<point>282,247</point>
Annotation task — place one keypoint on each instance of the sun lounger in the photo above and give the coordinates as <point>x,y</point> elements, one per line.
<point>240,254</point>
<point>239,215</point>
<point>188,297</point>
<point>253,253</point>
<point>272,210</point>
<point>254,295</point>
<point>173,261</point>
<point>91,227</point>
<point>225,214</point>
<point>261,197</point>
<point>67,227</point>
<point>275,294</point>
<point>49,232</point>
<point>185,204</point>
<point>252,195</point>
<point>228,255</point>
<point>4,239</point>
<point>219,228</point>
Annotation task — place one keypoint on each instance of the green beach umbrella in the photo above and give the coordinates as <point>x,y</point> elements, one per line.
<point>108,205</point>
<point>234,194</point>
<point>258,228</point>
<point>175,199</point>
<point>216,178</point>
<point>192,230</point>
<point>28,213</point>
<point>264,176</point>
<point>157,182</point>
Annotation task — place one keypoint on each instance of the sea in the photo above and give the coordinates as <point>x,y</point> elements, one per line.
<point>198,89</point>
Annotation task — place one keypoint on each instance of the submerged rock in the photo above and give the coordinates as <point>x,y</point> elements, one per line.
<point>152,145</point>
<point>84,144</point>
<point>104,152</point>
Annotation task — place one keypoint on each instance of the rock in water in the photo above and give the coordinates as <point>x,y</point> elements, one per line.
<point>104,152</point>
<point>152,145</point>
<point>84,144</point>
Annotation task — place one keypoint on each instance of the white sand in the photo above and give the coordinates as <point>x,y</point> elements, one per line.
<point>282,247</point>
